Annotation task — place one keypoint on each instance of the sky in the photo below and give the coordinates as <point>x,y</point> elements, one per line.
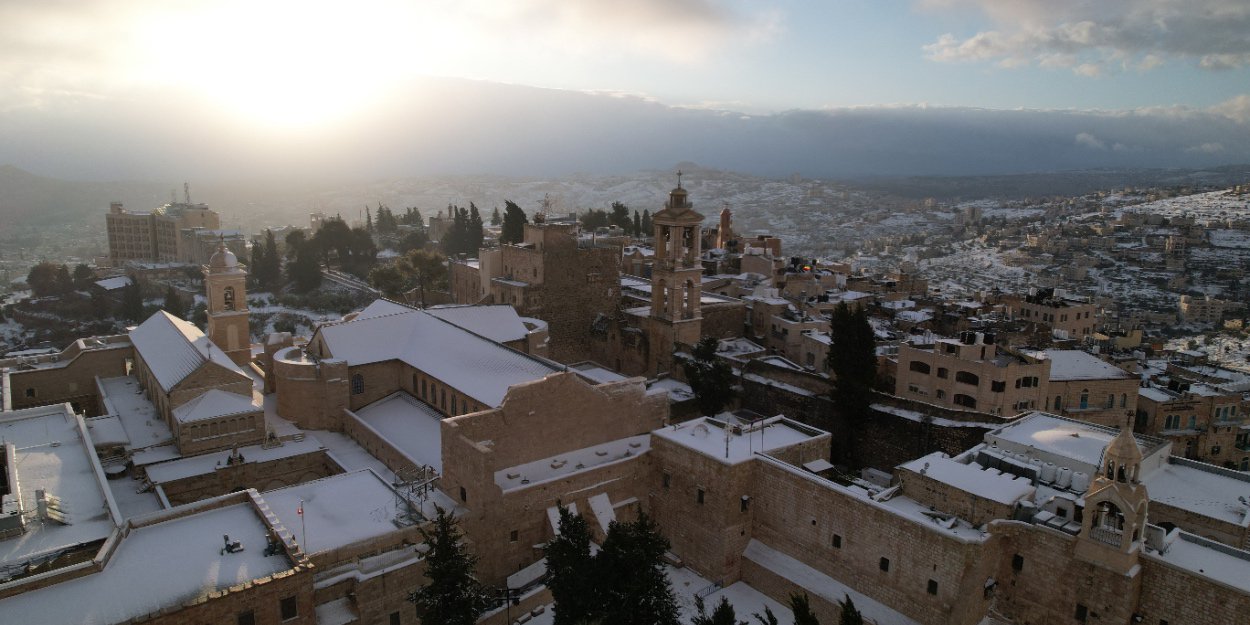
<point>222,85</point>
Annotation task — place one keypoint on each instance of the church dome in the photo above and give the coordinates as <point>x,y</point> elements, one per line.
<point>223,259</point>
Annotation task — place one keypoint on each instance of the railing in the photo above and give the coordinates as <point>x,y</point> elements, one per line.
<point>1106,536</point>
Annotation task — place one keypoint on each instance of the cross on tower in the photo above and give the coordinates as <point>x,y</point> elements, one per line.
<point>678,178</point>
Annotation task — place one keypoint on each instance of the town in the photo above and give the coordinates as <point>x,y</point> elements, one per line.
<point>976,412</point>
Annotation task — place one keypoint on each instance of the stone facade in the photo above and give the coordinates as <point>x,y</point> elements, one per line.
<point>971,373</point>
<point>69,376</point>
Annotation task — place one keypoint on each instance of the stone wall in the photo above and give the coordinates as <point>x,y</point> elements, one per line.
<point>71,379</point>
<point>1174,595</point>
<point>260,475</point>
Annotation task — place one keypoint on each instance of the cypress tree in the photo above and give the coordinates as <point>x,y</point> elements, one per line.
<point>453,595</point>
<point>801,606</point>
<point>571,572</point>
<point>850,616</point>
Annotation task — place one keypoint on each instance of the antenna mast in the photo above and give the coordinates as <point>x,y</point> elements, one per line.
<point>186,193</point>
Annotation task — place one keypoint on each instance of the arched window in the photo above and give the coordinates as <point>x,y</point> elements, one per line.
<point>1111,400</point>
<point>967,377</point>
<point>1084,398</point>
<point>358,384</point>
<point>919,367</point>
<point>227,298</point>
<point>1123,400</point>
<point>965,400</point>
<point>1058,402</point>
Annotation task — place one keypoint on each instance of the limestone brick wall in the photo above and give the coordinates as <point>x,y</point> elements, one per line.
<point>312,395</point>
<point>1049,582</point>
<point>73,381</point>
<point>1174,595</point>
<point>260,475</point>
<point>935,377</point>
<point>945,498</point>
<point>221,433</point>
<point>799,514</point>
<point>723,319</point>
<point>261,597</point>
<point>208,376</point>
<point>697,501</point>
<point>1108,402</point>
<point>1231,534</point>
<point>380,379</point>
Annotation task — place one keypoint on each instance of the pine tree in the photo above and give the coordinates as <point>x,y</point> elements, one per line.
<point>514,221</point>
<point>426,269</point>
<point>368,220</point>
<point>83,276</point>
<point>269,271</point>
<point>571,572</point>
<point>723,614</point>
<point>304,272</point>
<point>64,282</point>
<point>619,216</point>
<point>453,595</point>
<point>801,606</point>
<point>638,593</point>
<point>850,616</point>
<point>646,223</point>
<point>710,378</point>
<point>495,218</point>
<point>174,304</point>
<point>473,231</point>
<point>637,225</point>
<point>768,618</point>
<point>132,302</point>
<point>852,360</point>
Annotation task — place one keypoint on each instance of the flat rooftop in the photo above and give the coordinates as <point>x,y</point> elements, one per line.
<point>341,510</point>
<point>181,468</point>
<point>1066,442</point>
<point>53,454</point>
<point>124,398</point>
<point>572,462</point>
<point>413,427</point>
<point>164,564</point>
<point>724,439</point>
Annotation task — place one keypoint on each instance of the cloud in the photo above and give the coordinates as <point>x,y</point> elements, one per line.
<point>1090,141</point>
<point>1099,37</point>
<point>1236,109</point>
<point>1206,148</point>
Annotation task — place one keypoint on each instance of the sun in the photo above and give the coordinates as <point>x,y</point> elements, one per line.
<point>287,65</point>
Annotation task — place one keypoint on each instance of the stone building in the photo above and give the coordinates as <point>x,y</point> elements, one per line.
<point>1066,317</point>
<point>226,282</point>
<point>1084,387</point>
<point>156,235</point>
<point>970,372</point>
<point>1201,409</point>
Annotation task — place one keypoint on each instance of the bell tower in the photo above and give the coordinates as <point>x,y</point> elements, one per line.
<point>226,282</point>
<point>676,279</point>
<point>1114,521</point>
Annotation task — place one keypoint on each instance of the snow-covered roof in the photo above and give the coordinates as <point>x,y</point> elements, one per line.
<point>474,365</point>
<point>1073,364</point>
<point>732,444</point>
<point>173,562</point>
<point>414,428</point>
<point>173,349</point>
<point>568,463</point>
<point>596,373</point>
<point>207,463</point>
<point>215,403</point>
<point>122,396</point>
<point>498,323</point>
<point>1065,442</point>
<point>340,510</point>
<point>1207,558</point>
<point>54,455</point>
<point>109,284</point>
<point>996,486</point>
<point>1203,489</point>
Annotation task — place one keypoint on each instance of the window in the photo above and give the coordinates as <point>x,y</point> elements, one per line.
<point>1215,450</point>
<point>1111,401</point>
<point>288,608</point>
<point>967,377</point>
<point>1017,563</point>
<point>513,536</point>
<point>464,494</point>
<point>943,373</point>
<point>666,479</point>
<point>1082,612</point>
<point>919,367</point>
<point>941,394</point>
<point>1058,402</point>
<point>424,395</point>
<point>699,496</point>
<point>884,564</point>
<point>227,298</point>
<point>1172,422</point>
<point>247,617</point>
<point>966,401</point>
<point>358,384</point>
<point>837,541</point>
<point>933,586</point>
<point>1084,398</point>
<point>745,503</point>
<point>998,386</point>
<point>453,405</point>
<point>30,392</point>
<point>1123,400</point>
<point>394,618</point>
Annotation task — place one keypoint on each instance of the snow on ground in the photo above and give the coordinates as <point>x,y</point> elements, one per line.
<point>973,267</point>
<point>1225,350</point>
<point>130,501</point>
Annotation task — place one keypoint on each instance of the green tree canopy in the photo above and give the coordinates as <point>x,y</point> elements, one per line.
<point>426,269</point>
<point>495,218</point>
<point>723,614</point>
<point>83,276</point>
<point>801,606</point>
<point>514,221</point>
<point>174,303</point>
<point>572,575</point>
<point>850,615</point>
<point>453,595</point>
<point>594,218</point>
<point>852,360</point>
<point>132,302</point>
<point>619,216</point>
<point>710,378</point>
<point>638,591</point>
<point>44,279</point>
<point>389,280</point>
